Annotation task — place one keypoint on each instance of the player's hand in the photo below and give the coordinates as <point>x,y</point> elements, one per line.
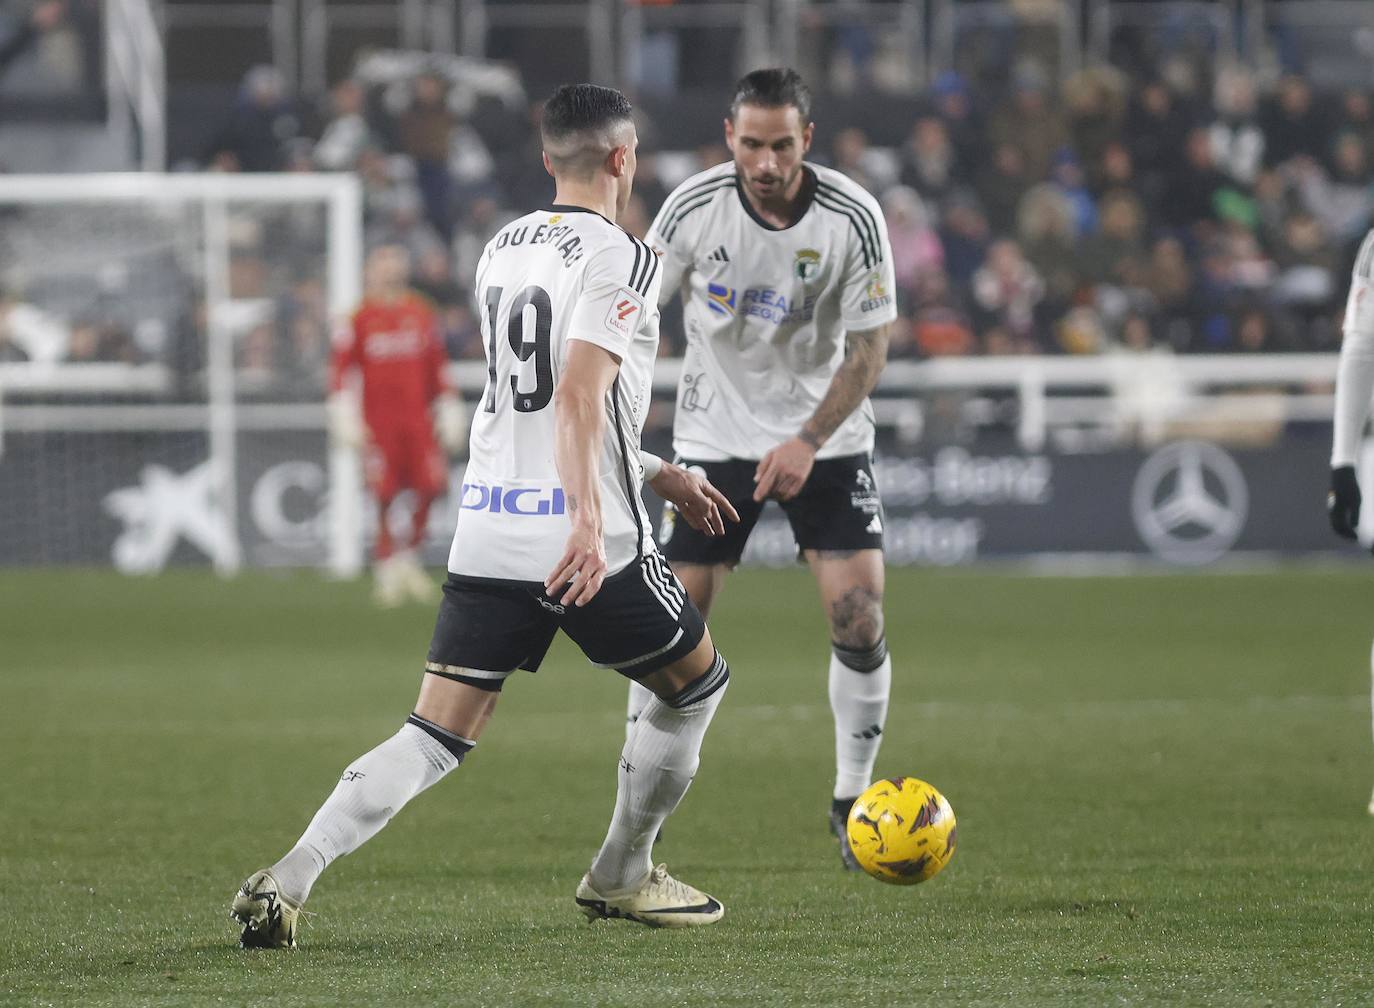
<point>582,568</point>
<point>1343,502</point>
<point>784,470</point>
<point>695,498</point>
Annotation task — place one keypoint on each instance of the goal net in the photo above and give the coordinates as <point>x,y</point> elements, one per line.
<point>164,346</point>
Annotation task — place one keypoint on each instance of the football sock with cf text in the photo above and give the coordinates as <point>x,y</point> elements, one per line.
<point>372,790</point>
<point>656,766</point>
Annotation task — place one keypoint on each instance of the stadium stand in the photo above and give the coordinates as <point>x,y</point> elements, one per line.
<point>1203,208</point>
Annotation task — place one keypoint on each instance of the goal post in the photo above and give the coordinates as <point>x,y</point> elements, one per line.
<point>172,331</point>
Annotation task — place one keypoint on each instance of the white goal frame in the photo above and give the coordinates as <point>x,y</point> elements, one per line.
<point>221,417</point>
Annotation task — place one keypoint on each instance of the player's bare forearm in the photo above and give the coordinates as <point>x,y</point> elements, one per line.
<point>784,470</point>
<point>577,438</point>
<point>579,424</point>
<point>579,404</point>
<point>865,353</point>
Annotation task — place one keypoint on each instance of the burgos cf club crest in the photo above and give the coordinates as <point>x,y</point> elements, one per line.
<point>807,264</point>
<point>720,299</point>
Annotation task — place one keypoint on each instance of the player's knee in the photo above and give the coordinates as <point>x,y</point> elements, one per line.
<point>703,687</point>
<point>861,659</point>
<point>856,620</point>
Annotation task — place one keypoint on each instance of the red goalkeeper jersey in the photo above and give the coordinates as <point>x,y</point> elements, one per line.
<point>397,348</point>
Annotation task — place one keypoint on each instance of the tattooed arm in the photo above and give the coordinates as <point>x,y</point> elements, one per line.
<point>783,470</point>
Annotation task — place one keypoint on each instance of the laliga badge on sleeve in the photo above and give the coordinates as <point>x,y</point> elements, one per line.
<point>623,315</point>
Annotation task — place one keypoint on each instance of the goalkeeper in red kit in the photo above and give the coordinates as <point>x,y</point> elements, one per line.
<point>392,353</point>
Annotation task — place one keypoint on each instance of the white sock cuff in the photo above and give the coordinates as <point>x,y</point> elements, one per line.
<point>457,746</point>
<point>703,686</point>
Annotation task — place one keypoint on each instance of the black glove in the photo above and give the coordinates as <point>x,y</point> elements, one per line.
<point>1343,502</point>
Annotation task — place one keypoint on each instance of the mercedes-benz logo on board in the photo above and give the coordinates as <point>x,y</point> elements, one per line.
<point>1189,502</point>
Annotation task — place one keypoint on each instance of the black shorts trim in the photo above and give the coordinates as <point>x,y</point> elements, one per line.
<point>838,508</point>
<point>491,682</point>
<point>473,579</point>
<point>622,666</point>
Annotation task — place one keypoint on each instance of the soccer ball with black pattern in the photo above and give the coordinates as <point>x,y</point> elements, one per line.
<point>902,831</point>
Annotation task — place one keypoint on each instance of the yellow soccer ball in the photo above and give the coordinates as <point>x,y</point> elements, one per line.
<point>902,831</point>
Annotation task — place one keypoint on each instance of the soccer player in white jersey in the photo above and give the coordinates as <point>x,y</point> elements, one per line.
<point>552,535</point>
<point>786,277</point>
<point>1354,385</point>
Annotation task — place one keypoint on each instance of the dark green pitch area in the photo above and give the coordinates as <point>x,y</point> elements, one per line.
<point>1160,783</point>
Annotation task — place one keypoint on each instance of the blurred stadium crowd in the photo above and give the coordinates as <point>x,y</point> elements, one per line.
<point>1190,214</point>
<point>1184,208</point>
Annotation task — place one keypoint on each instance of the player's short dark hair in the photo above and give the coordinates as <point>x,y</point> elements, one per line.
<point>776,87</point>
<point>579,124</point>
<point>583,108</point>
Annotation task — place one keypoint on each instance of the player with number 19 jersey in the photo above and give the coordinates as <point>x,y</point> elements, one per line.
<point>551,276</point>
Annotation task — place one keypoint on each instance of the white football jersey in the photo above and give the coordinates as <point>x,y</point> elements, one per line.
<point>766,309</point>
<point>1355,372</point>
<point>547,278</point>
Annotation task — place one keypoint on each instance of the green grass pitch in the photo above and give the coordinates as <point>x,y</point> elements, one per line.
<point>1160,784</point>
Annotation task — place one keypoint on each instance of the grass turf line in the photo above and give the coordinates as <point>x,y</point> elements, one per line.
<point>1160,786</point>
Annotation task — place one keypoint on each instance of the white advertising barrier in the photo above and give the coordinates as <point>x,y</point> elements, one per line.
<point>1234,467</point>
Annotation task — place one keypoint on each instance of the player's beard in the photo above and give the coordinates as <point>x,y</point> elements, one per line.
<point>772,188</point>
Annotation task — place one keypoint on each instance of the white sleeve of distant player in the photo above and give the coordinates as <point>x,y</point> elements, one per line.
<point>674,256</point>
<point>615,296</point>
<point>1355,374</point>
<point>868,300</point>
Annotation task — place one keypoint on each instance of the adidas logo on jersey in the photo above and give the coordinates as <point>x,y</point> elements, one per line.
<point>719,255</point>
<point>875,526</point>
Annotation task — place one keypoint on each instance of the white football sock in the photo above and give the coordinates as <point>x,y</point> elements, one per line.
<point>658,762</point>
<point>639,696</point>
<point>372,790</point>
<point>859,702</point>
